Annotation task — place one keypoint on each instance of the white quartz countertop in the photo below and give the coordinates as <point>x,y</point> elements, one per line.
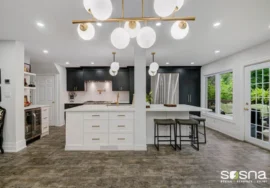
<point>179,108</point>
<point>101,108</point>
<point>36,106</point>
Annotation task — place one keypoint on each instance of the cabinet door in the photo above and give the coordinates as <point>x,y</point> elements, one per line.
<point>79,81</point>
<point>183,86</point>
<point>121,81</point>
<point>194,87</point>
<point>71,82</point>
<point>131,84</point>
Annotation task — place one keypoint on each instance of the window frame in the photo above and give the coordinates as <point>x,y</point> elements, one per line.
<point>218,95</point>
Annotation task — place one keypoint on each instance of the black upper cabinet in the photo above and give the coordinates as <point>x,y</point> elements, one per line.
<point>97,74</point>
<point>120,82</point>
<point>75,80</point>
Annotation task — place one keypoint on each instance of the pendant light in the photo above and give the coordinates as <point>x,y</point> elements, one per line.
<point>133,28</point>
<point>146,37</point>
<point>179,4</point>
<point>179,30</point>
<point>153,66</point>
<point>101,9</point>
<point>120,38</point>
<point>86,31</point>
<point>164,8</point>
<point>87,5</point>
<point>114,66</point>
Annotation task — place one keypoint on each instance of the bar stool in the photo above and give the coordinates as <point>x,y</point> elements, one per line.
<point>164,122</point>
<point>193,137</point>
<point>200,119</point>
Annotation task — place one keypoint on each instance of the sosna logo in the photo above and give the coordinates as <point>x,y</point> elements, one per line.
<point>243,176</point>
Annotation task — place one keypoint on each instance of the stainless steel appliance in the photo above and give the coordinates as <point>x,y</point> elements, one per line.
<point>165,88</point>
<point>32,123</point>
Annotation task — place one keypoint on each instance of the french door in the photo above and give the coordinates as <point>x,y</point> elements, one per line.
<point>257,108</point>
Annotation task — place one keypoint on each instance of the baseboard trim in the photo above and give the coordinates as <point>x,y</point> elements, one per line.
<point>140,148</point>
<point>14,147</point>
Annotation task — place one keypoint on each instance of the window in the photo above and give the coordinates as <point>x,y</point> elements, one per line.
<point>226,93</point>
<point>220,89</point>
<point>211,93</point>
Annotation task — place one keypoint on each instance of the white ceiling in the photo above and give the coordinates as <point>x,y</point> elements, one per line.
<point>245,23</point>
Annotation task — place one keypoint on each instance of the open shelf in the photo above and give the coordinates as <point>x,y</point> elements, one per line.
<point>30,88</point>
<point>29,74</point>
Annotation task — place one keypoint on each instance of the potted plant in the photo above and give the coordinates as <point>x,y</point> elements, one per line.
<point>149,99</point>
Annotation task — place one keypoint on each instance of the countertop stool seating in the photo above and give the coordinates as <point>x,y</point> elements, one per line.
<point>164,122</point>
<point>200,119</point>
<point>2,120</point>
<point>193,137</point>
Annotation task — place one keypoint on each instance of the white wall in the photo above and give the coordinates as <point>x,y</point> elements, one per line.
<point>12,68</point>
<point>91,93</point>
<point>44,68</point>
<point>236,63</point>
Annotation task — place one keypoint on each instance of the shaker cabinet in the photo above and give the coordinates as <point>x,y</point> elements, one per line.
<point>75,80</point>
<point>120,82</point>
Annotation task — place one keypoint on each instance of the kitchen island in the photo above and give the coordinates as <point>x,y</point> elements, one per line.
<point>102,127</point>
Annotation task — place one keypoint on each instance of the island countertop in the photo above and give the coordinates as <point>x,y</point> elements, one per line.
<point>102,108</point>
<point>179,108</point>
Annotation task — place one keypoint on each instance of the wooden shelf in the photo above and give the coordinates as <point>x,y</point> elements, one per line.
<point>30,88</point>
<point>29,74</point>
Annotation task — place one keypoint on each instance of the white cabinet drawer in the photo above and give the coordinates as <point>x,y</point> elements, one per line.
<point>121,139</point>
<point>95,139</point>
<point>45,119</point>
<point>121,115</point>
<point>121,125</point>
<point>95,125</point>
<point>45,127</point>
<point>96,115</point>
<point>45,112</point>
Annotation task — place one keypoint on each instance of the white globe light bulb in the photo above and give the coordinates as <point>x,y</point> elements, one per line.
<point>164,8</point>
<point>115,66</point>
<point>86,31</point>
<point>101,9</point>
<point>146,37</point>
<point>120,38</point>
<point>179,4</point>
<point>133,28</point>
<point>113,73</point>
<point>179,30</point>
<point>87,5</point>
<point>154,66</point>
<point>152,73</point>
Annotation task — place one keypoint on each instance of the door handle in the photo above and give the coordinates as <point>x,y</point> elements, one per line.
<point>190,98</point>
<point>246,109</point>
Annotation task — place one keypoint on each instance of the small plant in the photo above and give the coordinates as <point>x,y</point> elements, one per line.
<point>149,97</point>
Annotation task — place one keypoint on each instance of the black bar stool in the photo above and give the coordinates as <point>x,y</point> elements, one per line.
<point>200,119</point>
<point>164,122</point>
<point>193,137</point>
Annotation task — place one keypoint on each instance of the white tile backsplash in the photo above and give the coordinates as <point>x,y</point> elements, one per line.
<point>91,93</point>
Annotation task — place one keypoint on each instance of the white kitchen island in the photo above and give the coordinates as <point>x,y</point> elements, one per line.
<point>101,127</point>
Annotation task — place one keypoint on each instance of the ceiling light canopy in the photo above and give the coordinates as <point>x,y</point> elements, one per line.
<point>133,28</point>
<point>86,31</point>
<point>120,38</point>
<point>179,30</point>
<point>146,37</point>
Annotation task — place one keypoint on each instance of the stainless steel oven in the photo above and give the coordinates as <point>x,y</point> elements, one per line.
<point>32,123</point>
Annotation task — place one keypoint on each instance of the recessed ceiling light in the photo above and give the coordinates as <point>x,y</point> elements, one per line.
<point>92,63</point>
<point>167,63</point>
<point>192,63</point>
<point>217,51</point>
<point>99,24</point>
<point>158,24</point>
<point>45,51</point>
<point>269,27</point>
<point>67,63</point>
<point>40,24</point>
<point>216,24</point>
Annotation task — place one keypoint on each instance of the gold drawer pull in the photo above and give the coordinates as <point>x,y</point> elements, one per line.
<point>45,118</point>
<point>95,126</point>
<point>121,115</point>
<point>121,139</point>
<point>121,126</point>
<point>95,115</point>
<point>95,139</point>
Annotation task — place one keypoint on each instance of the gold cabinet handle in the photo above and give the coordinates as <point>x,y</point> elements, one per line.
<point>246,109</point>
<point>95,115</point>
<point>121,126</point>
<point>121,115</point>
<point>95,139</point>
<point>121,139</point>
<point>95,126</point>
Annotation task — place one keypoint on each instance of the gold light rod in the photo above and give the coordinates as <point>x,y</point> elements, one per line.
<point>136,19</point>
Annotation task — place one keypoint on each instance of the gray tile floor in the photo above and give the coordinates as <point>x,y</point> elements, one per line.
<point>46,164</point>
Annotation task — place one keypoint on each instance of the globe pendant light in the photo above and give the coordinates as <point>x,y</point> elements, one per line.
<point>101,9</point>
<point>179,30</point>
<point>86,31</point>
<point>120,38</point>
<point>164,8</point>
<point>179,4</point>
<point>146,37</point>
<point>133,28</point>
<point>153,66</point>
<point>114,66</point>
<point>87,5</point>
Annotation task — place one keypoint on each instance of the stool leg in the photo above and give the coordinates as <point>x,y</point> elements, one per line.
<point>197,135</point>
<point>1,144</point>
<point>180,136</point>
<point>157,138</point>
<point>155,131</point>
<point>204,132</point>
<point>174,127</point>
<point>170,134</point>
